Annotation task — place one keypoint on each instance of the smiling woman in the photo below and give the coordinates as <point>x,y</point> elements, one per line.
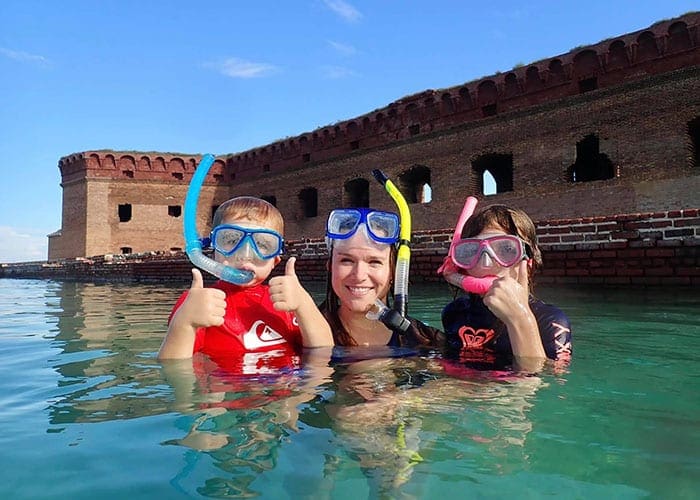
<point>360,271</point>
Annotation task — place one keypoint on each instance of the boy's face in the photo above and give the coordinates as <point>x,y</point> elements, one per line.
<point>245,257</point>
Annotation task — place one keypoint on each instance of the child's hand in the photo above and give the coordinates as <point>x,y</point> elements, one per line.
<point>508,298</point>
<point>203,306</point>
<point>286,292</point>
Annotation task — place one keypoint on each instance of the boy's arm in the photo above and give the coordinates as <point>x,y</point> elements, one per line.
<point>287,294</point>
<point>203,307</point>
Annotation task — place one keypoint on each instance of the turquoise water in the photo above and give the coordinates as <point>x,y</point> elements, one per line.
<point>86,410</point>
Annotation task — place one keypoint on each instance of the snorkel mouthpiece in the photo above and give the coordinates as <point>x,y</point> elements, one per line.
<point>391,318</point>
<point>403,258</point>
<point>193,244</point>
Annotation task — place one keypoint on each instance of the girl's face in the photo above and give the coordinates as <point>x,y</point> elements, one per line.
<point>361,272</point>
<point>486,265</point>
<point>245,257</point>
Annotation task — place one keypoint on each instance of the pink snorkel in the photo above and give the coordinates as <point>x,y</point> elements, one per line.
<point>449,270</point>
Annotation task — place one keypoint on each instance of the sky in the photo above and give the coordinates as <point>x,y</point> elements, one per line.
<point>225,76</point>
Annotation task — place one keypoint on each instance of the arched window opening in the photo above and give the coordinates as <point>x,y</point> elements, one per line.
<point>646,46</point>
<point>694,134</point>
<point>415,185</point>
<point>356,193</point>
<point>308,200</point>
<point>617,55</point>
<point>125,250</point>
<point>500,169</point>
<point>555,72</point>
<point>488,182</point>
<point>533,80</point>
<point>271,199</point>
<point>591,164</point>
<point>427,194</point>
<point>447,104</point>
<point>678,37</point>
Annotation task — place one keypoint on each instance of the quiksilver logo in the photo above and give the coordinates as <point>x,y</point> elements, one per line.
<point>261,335</point>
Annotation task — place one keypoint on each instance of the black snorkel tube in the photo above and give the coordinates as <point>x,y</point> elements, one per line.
<point>395,318</point>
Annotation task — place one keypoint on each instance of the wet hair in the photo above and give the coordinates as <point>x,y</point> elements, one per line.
<point>250,208</point>
<point>330,306</point>
<point>511,220</point>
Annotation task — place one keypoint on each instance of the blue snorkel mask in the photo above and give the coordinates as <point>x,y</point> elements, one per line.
<point>193,243</point>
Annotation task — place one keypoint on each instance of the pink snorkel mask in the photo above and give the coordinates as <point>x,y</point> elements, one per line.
<point>450,271</point>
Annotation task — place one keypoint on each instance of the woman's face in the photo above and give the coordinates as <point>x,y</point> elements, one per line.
<point>486,265</point>
<point>361,272</point>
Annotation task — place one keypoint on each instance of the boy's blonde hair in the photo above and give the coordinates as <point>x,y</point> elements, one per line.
<point>252,209</point>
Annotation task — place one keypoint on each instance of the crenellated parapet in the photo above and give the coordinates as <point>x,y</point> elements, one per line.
<point>116,165</point>
<point>663,47</point>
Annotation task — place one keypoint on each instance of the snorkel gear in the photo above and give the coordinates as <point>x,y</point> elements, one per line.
<point>396,319</point>
<point>449,270</point>
<point>227,239</point>
<point>505,249</point>
<point>380,226</point>
<point>193,244</point>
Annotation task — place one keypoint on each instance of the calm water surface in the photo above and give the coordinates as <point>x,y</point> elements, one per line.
<point>88,412</point>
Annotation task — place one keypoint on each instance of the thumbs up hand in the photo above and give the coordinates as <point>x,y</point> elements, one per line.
<point>286,292</point>
<point>203,306</point>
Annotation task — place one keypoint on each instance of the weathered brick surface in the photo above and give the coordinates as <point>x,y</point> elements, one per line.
<point>637,93</point>
<point>654,263</point>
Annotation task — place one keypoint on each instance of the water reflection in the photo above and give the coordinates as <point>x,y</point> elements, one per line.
<point>388,424</point>
<point>392,418</point>
<point>108,335</point>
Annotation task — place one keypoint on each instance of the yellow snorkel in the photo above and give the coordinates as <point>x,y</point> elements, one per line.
<point>403,258</point>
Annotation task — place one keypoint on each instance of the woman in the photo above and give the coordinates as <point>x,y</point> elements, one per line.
<point>362,247</point>
<point>494,257</point>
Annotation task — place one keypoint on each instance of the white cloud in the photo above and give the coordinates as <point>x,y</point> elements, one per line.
<point>345,49</point>
<point>22,245</point>
<point>240,68</point>
<point>336,72</point>
<point>344,10</point>
<point>23,57</point>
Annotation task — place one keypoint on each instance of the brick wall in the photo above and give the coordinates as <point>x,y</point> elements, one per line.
<point>640,249</point>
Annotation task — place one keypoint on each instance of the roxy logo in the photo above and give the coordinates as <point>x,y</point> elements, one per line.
<point>475,339</point>
<point>261,335</point>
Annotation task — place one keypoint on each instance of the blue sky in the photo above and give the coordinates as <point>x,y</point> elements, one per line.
<point>225,76</point>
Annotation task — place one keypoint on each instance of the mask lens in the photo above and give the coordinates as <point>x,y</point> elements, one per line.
<point>508,250</point>
<point>383,226</point>
<point>466,253</point>
<point>267,244</point>
<point>343,223</point>
<point>226,239</point>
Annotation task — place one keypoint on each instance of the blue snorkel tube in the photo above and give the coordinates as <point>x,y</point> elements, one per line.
<point>193,244</point>
<point>395,318</point>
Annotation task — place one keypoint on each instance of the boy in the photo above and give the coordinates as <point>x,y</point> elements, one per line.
<point>253,324</point>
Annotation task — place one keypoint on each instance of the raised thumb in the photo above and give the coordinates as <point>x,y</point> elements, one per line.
<point>197,280</point>
<point>289,267</point>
